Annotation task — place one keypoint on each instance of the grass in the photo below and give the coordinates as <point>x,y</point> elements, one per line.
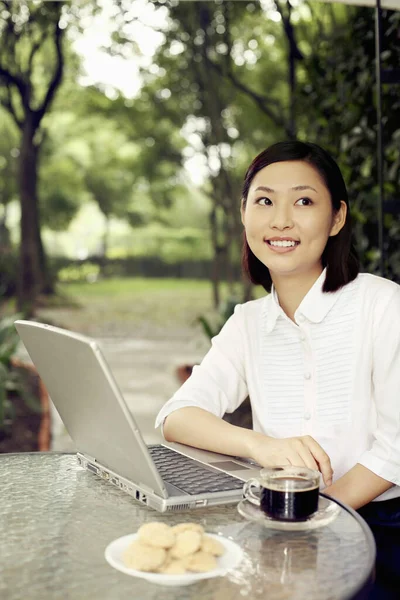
<point>121,306</point>
<point>136,285</point>
<point>127,303</point>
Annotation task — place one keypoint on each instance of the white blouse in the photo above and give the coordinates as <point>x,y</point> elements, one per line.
<point>334,374</point>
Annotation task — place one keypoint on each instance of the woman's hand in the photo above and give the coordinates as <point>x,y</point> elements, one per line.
<point>301,451</point>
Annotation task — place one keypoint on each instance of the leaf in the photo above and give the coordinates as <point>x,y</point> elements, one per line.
<point>210,333</point>
<point>30,400</point>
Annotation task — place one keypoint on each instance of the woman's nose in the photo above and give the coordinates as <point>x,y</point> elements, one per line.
<point>281,218</point>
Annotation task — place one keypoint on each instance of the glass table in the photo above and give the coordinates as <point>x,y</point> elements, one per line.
<point>57,519</point>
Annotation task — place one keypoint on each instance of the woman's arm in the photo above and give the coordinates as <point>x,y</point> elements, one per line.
<point>378,468</point>
<point>362,484</point>
<point>358,487</point>
<point>199,428</point>
<point>196,427</point>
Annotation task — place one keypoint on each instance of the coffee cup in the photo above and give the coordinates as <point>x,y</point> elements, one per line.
<point>285,493</point>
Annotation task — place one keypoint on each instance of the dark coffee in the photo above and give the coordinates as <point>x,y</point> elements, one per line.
<point>280,501</point>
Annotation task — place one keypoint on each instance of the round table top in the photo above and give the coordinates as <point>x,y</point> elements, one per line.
<point>56,520</point>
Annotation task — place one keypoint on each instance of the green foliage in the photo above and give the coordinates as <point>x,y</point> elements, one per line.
<point>87,271</point>
<point>9,339</point>
<point>8,273</point>
<point>60,190</point>
<point>11,381</point>
<point>169,244</point>
<point>216,91</point>
<point>28,53</point>
<point>8,159</point>
<point>340,86</point>
<point>210,327</point>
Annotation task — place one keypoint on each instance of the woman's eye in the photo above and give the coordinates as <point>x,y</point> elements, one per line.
<point>263,201</point>
<point>304,201</point>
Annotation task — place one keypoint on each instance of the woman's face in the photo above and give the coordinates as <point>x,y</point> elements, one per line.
<point>288,218</point>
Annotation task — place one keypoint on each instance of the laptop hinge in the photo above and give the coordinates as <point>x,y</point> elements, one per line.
<point>146,488</point>
<point>164,492</point>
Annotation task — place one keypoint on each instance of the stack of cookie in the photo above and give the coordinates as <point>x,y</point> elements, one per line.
<point>176,550</point>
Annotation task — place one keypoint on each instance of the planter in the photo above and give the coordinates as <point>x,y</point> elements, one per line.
<point>30,430</point>
<point>183,372</point>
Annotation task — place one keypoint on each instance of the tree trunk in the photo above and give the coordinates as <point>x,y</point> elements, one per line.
<point>106,235</point>
<point>215,268</point>
<point>29,274</point>
<point>229,267</point>
<point>45,274</point>
<point>294,54</point>
<point>292,95</point>
<point>104,243</point>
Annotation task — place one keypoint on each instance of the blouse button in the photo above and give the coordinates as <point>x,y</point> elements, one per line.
<point>307,416</point>
<point>307,375</point>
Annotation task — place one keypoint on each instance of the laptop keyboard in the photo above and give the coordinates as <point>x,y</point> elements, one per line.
<point>189,475</point>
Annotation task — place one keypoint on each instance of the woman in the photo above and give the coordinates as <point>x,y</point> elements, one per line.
<point>319,356</point>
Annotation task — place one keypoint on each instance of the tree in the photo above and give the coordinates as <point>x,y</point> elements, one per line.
<point>31,38</point>
<point>192,93</point>
<point>211,83</point>
<point>340,86</point>
<point>8,192</point>
<point>333,100</point>
<point>229,78</point>
<point>134,160</point>
<point>8,175</point>
<point>109,176</point>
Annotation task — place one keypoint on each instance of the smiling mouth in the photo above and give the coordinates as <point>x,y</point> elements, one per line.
<point>282,243</point>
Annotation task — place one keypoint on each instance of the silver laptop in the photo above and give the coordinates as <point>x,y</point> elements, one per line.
<point>163,476</point>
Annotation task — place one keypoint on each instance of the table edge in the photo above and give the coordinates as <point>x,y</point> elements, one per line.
<point>357,592</point>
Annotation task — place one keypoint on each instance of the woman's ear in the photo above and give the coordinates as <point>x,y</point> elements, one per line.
<point>242,210</point>
<point>339,219</point>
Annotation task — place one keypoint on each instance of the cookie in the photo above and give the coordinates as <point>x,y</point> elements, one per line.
<point>212,546</point>
<point>187,526</point>
<point>156,534</point>
<point>141,557</point>
<point>187,542</point>
<point>176,550</point>
<point>200,562</point>
<point>172,567</point>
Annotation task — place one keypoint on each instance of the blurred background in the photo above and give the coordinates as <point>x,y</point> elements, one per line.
<point>126,128</point>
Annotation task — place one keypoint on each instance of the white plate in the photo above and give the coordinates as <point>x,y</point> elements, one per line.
<point>229,560</point>
<point>327,512</point>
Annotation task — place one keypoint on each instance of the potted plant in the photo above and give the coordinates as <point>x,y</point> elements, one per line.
<point>24,403</point>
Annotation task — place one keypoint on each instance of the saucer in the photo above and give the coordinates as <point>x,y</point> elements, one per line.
<point>229,560</point>
<point>327,512</point>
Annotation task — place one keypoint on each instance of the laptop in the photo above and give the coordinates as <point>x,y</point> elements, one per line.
<point>165,477</point>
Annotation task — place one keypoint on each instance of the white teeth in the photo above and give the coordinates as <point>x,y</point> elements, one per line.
<point>282,244</point>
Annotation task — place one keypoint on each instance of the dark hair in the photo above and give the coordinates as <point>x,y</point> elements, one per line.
<point>339,257</point>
